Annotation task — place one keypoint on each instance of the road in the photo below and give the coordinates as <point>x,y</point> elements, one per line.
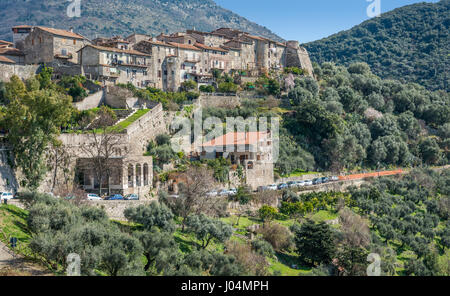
<point>16,265</point>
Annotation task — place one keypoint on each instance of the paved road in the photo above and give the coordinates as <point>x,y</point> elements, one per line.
<point>11,264</point>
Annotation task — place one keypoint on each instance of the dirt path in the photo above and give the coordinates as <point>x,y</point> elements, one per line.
<point>16,265</point>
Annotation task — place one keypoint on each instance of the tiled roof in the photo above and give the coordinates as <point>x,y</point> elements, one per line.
<point>112,49</point>
<point>156,42</point>
<point>184,46</point>
<point>5,42</point>
<point>63,33</point>
<point>22,27</point>
<point>11,51</point>
<point>6,60</point>
<point>202,46</point>
<point>237,138</point>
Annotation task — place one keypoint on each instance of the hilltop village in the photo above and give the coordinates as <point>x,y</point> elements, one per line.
<point>170,63</point>
<point>164,61</point>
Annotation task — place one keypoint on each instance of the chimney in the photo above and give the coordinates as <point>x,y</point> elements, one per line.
<point>71,29</point>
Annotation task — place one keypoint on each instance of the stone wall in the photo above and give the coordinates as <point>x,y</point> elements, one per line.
<point>147,127</point>
<point>116,97</point>
<point>115,208</point>
<point>91,101</point>
<point>8,180</point>
<point>216,101</point>
<point>23,71</point>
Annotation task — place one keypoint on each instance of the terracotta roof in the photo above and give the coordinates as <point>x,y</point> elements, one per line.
<point>11,51</point>
<point>4,59</point>
<point>22,27</point>
<point>157,42</point>
<point>184,46</point>
<point>112,49</point>
<point>256,37</point>
<point>63,33</point>
<point>5,42</point>
<point>231,48</point>
<point>237,138</point>
<point>202,46</point>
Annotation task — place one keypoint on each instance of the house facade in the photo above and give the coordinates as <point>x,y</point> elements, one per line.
<point>46,45</point>
<point>253,151</point>
<point>112,65</point>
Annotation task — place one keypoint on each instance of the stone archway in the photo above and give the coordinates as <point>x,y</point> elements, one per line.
<point>146,174</point>
<point>130,176</point>
<point>138,175</point>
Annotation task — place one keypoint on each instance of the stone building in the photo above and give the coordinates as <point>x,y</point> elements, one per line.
<point>130,170</point>
<point>112,65</point>
<point>19,35</point>
<point>46,45</point>
<point>251,150</point>
<point>11,55</point>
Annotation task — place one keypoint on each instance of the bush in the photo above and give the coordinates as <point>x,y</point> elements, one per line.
<point>277,235</point>
<point>189,85</point>
<point>228,87</point>
<point>207,88</point>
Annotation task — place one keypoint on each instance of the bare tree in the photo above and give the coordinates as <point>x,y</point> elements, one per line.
<point>101,147</point>
<point>195,183</point>
<point>354,228</point>
<point>58,159</point>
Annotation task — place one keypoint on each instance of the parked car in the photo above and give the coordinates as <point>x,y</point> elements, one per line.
<point>115,197</point>
<point>262,188</point>
<point>301,183</point>
<point>272,187</point>
<point>282,186</point>
<point>308,183</point>
<point>292,184</point>
<point>70,197</point>
<point>233,191</point>
<point>6,195</point>
<point>212,193</point>
<point>334,178</point>
<point>317,181</point>
<point>325,180</point>
<point>225,192</point>
<point>131,197</point>
<point>92,196</point>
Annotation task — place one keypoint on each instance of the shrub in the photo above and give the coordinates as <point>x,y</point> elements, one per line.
<point>207,88</point>
<point>228,87</point>
<point>277,235</point>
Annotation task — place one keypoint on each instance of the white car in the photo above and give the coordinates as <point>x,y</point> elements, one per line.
<point>224,192</point>
<point>233,191</point>
<point>212,193</point>
<point>308,183</point>
<point>6,195</point>
<point>92,196</point>
<point>301,184</point>
<point>273,187</point>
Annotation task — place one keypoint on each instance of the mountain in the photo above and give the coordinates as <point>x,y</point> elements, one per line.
<point>122,17</point>
<point>410,43</point>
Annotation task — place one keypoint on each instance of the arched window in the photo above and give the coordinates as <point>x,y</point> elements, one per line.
<point>130,176</point>
<point>145,174</point>
<point>138,175</point>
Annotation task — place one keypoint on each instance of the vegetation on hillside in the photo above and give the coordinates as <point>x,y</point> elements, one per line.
<point>410,44</point>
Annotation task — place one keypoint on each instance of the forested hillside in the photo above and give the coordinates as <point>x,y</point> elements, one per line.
<point>410,43</point>
<point>352,118</point>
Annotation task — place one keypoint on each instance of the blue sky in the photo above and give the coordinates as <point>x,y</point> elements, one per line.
<point>308,20</point>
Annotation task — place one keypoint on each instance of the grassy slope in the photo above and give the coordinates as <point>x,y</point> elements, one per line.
<point>13,224</point>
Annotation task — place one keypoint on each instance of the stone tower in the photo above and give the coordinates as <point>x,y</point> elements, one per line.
<point>297,56</point>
